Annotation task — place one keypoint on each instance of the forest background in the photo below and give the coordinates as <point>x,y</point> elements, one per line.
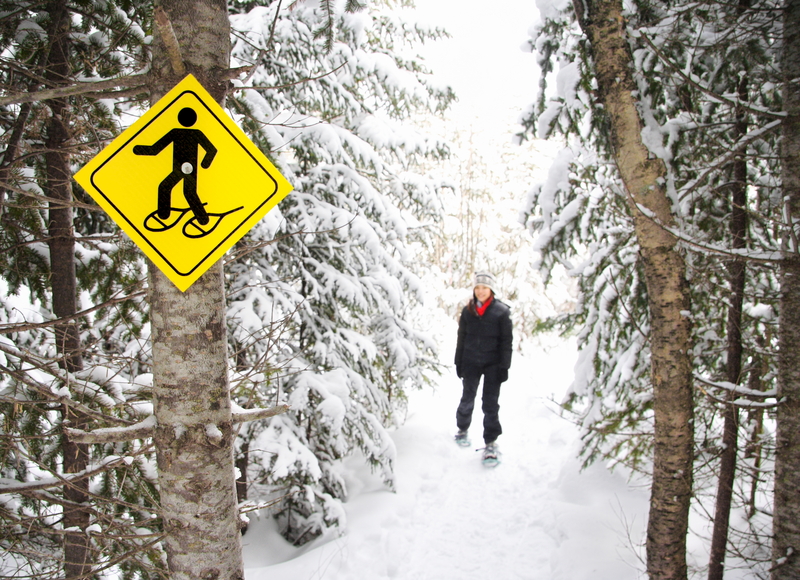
<point>671,205</point>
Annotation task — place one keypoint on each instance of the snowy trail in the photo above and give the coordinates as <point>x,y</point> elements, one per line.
<point>536,516</point>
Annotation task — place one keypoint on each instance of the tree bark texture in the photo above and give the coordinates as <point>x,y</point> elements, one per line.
<point>194,434</point>
<point>737,269</point>
<point>59,187</point>
<point>77,545</point>
<point>667,289</point>
<point>786,510</point>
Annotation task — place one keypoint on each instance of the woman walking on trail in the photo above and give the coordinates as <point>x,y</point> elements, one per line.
<point>483,350</point>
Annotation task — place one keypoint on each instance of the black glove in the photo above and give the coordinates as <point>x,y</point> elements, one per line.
<point>458,372</point>
<point>502,374</point>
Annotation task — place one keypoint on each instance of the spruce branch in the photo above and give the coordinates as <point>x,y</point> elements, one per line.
<point>93,88</point>
<point>146,428</point>
<point>14,486</point>
<point>9,328</point>
<point>705,90</point>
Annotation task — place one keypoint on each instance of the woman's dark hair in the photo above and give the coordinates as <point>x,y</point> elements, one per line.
<point>472,305</point>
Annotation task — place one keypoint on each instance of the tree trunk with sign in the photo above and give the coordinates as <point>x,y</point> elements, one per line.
<point>194,436</point>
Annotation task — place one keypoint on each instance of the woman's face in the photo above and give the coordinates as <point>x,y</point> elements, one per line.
<point>482,292</point>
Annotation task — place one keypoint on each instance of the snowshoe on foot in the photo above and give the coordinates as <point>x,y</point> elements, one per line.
<point>491,457</point>
<point>462,439</point>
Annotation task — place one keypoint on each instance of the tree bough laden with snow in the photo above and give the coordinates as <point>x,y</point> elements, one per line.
<point>668,293</point>
<point>715,133</point>
<point>337,270</point>
<point>96,302</point>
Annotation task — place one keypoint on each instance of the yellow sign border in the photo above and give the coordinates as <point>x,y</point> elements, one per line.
<point>189,85</point>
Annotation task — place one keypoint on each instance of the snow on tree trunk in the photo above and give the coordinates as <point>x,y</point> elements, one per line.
<point>668,292</point>
<point>194,436</point>
<point>786,514</point>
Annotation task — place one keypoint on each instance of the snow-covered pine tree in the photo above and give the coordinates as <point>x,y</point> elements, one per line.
<point>328,287</point>
<point>579,220</point>
<point>104,40</point>
<point>706,88</point>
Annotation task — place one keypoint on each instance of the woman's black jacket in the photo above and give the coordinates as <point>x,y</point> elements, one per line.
<point>484,341</point>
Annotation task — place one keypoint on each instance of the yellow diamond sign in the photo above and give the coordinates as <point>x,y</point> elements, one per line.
<point>184,182</point>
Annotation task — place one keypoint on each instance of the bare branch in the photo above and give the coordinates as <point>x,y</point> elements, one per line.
<point>80,88</point>
<point>14,486</point>
<point>9,328</point>
<point>737,389</point>
<point>45,390</point>
<point>171,46</point>
<point>132,83</point>
<point>145,428</point>
<point>246,415</point>
<point>141,430</point>
<point>287,85</point>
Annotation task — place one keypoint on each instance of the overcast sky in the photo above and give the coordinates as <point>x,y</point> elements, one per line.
<point>483,61</point>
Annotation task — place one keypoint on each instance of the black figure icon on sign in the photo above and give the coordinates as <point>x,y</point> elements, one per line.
<point>185,143</point>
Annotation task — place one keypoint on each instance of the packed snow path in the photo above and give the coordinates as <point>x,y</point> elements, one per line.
<point>535,516</point>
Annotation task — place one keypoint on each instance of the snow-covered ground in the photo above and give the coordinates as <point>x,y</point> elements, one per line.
<point>536,516</point>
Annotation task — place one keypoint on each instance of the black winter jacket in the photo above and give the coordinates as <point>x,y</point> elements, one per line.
<point>485,340</point>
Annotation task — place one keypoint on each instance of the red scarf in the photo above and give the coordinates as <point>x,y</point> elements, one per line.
<point>482,308</point>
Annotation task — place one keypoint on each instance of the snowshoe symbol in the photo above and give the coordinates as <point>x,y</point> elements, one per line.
<point>153,223</point>
<point>195,229</point>
<point>191,229</point>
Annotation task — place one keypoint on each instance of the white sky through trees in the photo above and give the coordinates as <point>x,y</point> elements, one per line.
<point>483,60</point>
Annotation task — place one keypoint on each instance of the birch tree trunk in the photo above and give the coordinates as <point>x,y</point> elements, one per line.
<point>667,289</point>
<point>786,511</point>
<point>194,437</point>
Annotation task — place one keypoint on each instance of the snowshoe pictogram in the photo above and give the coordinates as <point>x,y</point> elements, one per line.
<point>154,223</point>
<point>195,229</point>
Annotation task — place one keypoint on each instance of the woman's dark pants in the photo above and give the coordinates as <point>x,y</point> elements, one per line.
<point>491,392</point>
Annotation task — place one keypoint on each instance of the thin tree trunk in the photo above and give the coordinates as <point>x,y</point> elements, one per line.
<point>11,152</point>
<point>667,289</point>
<point>730,431</point>
<point>755,420</point>
<point>242,463</point>
<point>194,436</point>
<point>77,551</point>
<point>59,185</point>
<point>786,510</point>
